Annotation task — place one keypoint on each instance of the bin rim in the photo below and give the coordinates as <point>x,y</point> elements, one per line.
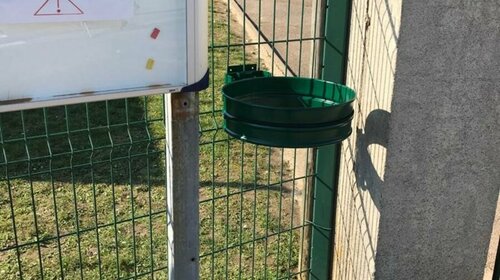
<point>238,82</point>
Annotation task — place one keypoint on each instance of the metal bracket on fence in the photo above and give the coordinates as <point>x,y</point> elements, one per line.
<point>240,72</point>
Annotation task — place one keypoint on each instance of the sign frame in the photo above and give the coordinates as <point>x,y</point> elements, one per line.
<point>197,75</point>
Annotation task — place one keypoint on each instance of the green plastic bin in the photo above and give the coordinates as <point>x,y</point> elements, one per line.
<point>287,111</point>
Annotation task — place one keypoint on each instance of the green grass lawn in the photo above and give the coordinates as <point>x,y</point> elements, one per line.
<point>82,190</point>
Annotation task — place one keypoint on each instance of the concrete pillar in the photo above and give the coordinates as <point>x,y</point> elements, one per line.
<point>442,176</point>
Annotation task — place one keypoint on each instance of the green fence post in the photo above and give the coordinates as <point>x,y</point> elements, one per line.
<point>335,48</point>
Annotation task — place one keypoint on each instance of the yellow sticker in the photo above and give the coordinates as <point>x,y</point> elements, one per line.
<point>150,64</point>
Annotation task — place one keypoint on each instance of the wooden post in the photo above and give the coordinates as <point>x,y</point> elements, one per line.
<point>182,170</point>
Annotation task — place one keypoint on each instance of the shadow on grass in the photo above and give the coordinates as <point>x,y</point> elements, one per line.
<point>119,141</point>
<point>246,186</point>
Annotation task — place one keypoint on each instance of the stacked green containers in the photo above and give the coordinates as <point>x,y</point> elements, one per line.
<point>286,111</point>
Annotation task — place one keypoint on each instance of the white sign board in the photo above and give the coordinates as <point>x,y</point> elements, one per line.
<point>55,52</point>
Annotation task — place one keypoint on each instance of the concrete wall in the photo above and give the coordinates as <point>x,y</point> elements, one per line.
<point>442,177</point>
<point>420,177</point>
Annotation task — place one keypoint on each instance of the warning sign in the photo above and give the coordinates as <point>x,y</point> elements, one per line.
<point>58,8</point>
<point>34,11</point>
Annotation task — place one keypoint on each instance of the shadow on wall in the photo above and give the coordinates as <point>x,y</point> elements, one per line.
<point>375,133</point>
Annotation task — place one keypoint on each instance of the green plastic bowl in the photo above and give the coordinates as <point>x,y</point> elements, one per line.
<point>288,137</point>
<point>288,111</point>
<point>288,100</point>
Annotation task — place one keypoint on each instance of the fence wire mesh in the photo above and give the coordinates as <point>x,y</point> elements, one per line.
<point>83,191</point>
<point>83,186</point>
<point>370,72</point>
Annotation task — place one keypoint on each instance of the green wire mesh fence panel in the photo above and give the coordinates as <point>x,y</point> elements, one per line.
<point>370,72</point>
<point>253,217</point>
<point>83,193</point>
<point>83,186</point>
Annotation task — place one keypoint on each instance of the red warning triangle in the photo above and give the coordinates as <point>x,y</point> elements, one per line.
<point>58,7</point>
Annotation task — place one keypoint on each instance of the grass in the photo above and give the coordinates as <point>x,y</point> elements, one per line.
<point>78,167</point>
<point>82,190</point>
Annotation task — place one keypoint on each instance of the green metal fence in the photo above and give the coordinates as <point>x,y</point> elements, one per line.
<point>83,191</point>
<point>252,222</point>
<point>83,186</point>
